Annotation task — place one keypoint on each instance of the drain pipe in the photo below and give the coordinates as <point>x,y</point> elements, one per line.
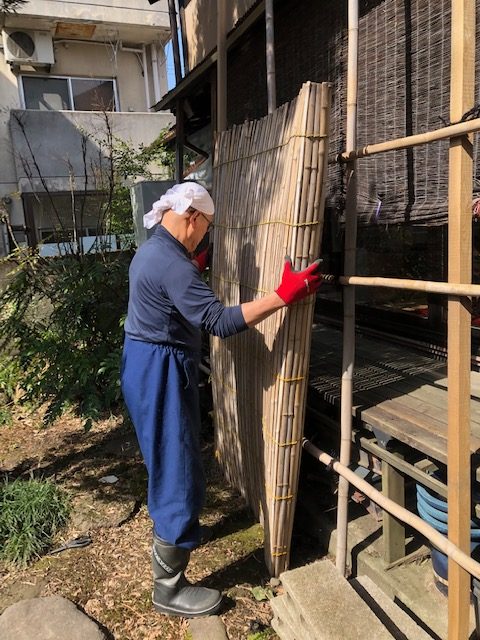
<point>348,292</point>
<point>145,76</point>
<point>437,539</point>
<point>156,81</point>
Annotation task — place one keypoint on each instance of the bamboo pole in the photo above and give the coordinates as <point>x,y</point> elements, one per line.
<point>349,297</point>
<point>286,470</point>
<point>221,66</point>
<point>278,493</point>
<point>436,538</point>
<point>270,53</point>
<point>462,80</point>
<point>430,286</point>
<point>454,130</point>
<point>272,433</point>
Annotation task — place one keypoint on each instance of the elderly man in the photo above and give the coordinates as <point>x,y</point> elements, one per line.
<point>169,305</point>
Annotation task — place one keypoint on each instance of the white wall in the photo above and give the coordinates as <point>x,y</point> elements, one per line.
<point>9,99</point>
<point>135,12</point>
<point>116,21</point>
<point>62,149</point>
<point>104,60</point>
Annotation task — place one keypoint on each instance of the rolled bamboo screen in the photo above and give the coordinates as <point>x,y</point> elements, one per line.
<point>269,192</point>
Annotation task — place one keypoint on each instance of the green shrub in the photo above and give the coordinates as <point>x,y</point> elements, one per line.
<point>9,376</point>
<point>31,511</point>
<point>9,383</point>
<point>62,319</point>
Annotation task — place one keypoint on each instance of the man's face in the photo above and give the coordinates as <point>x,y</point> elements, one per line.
<point>202,223</point>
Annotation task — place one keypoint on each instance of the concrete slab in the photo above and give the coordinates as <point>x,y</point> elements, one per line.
<point>327,604</point>
<point>412,585</point>
<point>210,627</point>
<point>397,621</point>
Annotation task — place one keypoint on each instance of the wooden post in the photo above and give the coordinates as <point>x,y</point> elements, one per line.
<point>176,49</point>
<point>270,51</point>
<point>393,487</point>
<point>349,294</point>
<point>221,66</point>
<point>180,139</point>
<point>183,35</point>
<point>459,318</point>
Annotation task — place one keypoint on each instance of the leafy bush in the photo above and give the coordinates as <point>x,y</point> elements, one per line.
<point>62,321</point>
<point>31,511</point>
<point>9,379</point>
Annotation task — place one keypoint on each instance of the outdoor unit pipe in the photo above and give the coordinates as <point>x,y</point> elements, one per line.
<point>436,538</point>
<point>130,49</point>
<point>78,41</point>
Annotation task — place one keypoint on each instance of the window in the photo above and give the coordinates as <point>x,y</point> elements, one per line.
<point>69,94</point>
<point>59,229</point>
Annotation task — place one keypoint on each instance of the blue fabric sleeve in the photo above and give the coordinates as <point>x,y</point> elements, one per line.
<point>198,304</point>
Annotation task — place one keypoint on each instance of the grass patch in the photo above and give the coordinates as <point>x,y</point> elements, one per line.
<point>262,635</point>
<point>31,512</point>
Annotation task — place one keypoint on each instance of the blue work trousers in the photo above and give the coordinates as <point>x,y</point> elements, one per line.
<point>160,388</point>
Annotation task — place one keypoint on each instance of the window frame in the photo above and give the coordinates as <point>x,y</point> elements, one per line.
<point>70,90</point>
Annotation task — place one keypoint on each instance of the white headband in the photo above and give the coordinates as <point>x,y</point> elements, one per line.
<point>179,198</point>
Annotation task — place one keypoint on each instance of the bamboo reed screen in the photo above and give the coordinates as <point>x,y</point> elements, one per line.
<point>269,179</point>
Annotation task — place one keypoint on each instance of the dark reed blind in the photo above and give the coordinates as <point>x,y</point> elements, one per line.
<point>404,89</point>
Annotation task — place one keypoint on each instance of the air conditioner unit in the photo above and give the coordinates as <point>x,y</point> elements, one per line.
<point>28,47</point>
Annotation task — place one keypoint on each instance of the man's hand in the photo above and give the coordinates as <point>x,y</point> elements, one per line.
<point>296,285</point>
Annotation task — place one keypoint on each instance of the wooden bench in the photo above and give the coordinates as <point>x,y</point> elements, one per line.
<point>400,396</point>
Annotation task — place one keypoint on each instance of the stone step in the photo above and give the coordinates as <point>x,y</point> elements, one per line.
<point>395,619</point>
<point>283,621</point>
<point>323,606</point>
<point>209,627</point>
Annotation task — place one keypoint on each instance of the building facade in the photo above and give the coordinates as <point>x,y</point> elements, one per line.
<point>68,73</point>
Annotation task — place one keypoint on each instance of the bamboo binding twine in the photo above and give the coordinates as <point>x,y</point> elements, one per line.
<point>269,192</point>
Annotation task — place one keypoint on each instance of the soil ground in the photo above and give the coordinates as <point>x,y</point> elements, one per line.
<point>110,580</point>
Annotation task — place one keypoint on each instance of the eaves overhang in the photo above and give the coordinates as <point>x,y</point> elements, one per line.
<point>183,88</point>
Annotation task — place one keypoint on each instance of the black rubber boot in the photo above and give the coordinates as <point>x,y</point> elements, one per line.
<point>172,593</point>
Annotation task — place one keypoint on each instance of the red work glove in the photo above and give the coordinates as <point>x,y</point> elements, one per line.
<point>202,260</point>
<point>296,285</point>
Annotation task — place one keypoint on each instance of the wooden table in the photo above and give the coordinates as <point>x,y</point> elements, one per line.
<point>400,395</point>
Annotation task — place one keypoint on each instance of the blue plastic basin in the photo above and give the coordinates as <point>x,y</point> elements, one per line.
<point>434,510</point>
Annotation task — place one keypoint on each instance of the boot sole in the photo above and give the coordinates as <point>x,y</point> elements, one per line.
<point>169,611</point>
